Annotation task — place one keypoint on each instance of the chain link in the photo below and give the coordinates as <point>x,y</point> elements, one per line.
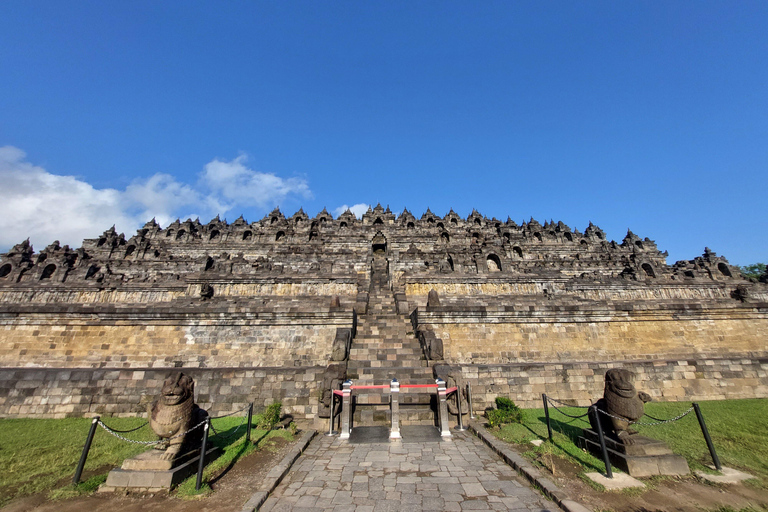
<point>660,422</point>
<point>131,430</point>
<point>565,413</point>
<point>149,443</point>
<point>231,413</point>
<point>552,401</point>
<point>230,436</point>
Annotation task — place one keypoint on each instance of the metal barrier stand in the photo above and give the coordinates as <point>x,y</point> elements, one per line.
<point>469,401</point>
<point>394,408</point>
<point>346,409</point>
<point>332,432</point>
<point>712,452</point>
<point>203,447</point>
<point>86,449</point>
<point>600,436</point>
<point>546,414</point>
<point>442,409</point>
<point>460,427</point>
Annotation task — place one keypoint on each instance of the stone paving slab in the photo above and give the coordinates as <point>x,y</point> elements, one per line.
<point>452,475</point>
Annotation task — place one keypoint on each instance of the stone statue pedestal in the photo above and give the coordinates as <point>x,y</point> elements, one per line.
<point>149,472</point>
<point>646,457</point>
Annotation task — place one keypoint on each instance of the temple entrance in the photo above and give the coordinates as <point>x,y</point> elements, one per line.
<point>379,244</point>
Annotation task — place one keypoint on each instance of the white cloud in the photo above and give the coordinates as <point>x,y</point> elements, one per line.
<point>237,184</point>
<point>45,207</point>
<point>358,209</point>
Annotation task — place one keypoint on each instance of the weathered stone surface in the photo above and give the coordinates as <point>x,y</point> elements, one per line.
<point>620,405</point>
<point>645,457</point>
<point>521,308</point>
<point>175,417</point>
<point>146,472</point>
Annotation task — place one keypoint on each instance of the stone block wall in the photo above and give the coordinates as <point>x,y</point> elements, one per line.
<point>138,346</point>
<point>138,337</point>
<point>77,392</point>
<point>582,383</point>
<point>541,333</point>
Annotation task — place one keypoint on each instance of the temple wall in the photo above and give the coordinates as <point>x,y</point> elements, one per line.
<point>75,341</point>
<point>490,289</point>
<point>63,392</point>
<point>582,383</point>
<point>77,392</point>
<point>488,337</point>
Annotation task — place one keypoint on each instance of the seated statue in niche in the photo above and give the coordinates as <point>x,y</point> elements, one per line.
<point>173,413</point>
<point>623,403</point>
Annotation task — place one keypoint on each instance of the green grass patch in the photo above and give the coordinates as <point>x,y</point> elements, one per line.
<point>232,451</point>
<point>737,427</point>
<point>38,455</point>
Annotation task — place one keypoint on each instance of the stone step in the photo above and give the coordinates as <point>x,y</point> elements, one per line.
<point>389,349</point>
<point>368,415</point>
<point>391,368</point>
<point>407,396</point>
<point>385,374</point>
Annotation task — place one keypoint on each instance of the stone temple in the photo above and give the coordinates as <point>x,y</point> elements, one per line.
<point>287,307</point>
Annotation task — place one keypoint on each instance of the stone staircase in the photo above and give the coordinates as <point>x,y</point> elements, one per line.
<point>385,348</point>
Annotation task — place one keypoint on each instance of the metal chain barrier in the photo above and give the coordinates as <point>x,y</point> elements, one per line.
<point>657,421</point>
<point>232,435</point>
<point>660,421</point>
<point>563,404</point>
<point>131,430</point>
<point>231,413</point>
<point>149,443</point>
<point>552,401</point>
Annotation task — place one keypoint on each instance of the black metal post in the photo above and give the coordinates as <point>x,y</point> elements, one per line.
<point>469,401</point>
<point>600,436</point>
<point>332,432</point>
<point>546,414</point>
<point>86,449</point>
<point>460,426</point>
<point>708,439</point>
<point>203,446</point>
<point>250,419</point>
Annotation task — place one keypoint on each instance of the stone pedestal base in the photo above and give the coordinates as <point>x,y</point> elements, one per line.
<point>646,457</point>
<point>149,472</point>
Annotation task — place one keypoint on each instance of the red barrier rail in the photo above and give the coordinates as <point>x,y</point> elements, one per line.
<point>451,390</point>
<point>338,392</point>
<point>384,386</point>
<point>418,386</point>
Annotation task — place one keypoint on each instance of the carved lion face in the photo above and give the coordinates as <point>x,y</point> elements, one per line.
<point>619,381</point>
<point>177,388</point>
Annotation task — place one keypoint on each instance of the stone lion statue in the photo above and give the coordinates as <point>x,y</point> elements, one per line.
<point>624,404</point>
<point>174,412</point>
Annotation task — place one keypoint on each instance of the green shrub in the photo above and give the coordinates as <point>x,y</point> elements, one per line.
<point>505,404</point>
<point>270,417</point>
<point>506,412</point>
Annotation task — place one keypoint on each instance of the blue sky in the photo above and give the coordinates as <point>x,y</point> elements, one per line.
<point>644,115</point>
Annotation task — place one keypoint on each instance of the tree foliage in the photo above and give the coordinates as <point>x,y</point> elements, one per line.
<point>753,271</point>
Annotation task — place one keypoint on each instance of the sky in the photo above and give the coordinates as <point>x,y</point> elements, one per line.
<point>650,116</point>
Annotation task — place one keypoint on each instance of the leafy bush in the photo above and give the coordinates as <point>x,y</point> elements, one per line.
<point>505,404</point>
<point>270,417</point>
<point>506,412</point>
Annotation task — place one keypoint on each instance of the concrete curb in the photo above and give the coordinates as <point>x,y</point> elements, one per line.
<point>277,473</point>
<point>527,470</point>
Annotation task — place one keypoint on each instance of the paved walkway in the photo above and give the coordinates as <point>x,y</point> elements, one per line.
<point>412,474</point>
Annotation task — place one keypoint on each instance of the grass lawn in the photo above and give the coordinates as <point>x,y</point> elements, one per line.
<point>737,427</point>
<point>42,454</point>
